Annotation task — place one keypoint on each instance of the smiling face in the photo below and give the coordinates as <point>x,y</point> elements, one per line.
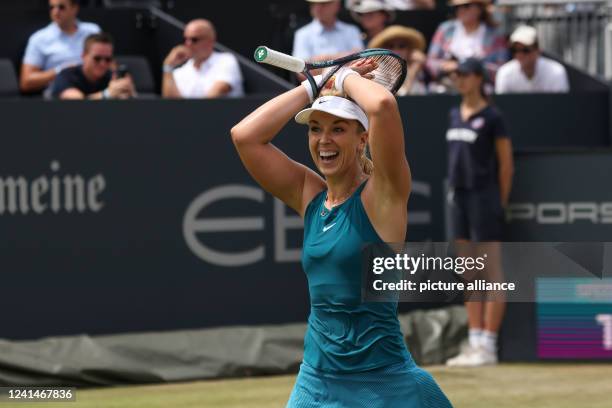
<point>336,144</point>
<point>97,60</point>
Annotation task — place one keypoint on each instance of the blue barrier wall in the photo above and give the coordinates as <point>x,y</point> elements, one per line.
<point>113,216</point>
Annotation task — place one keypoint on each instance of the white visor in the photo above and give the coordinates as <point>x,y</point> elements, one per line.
<point>337,106</point>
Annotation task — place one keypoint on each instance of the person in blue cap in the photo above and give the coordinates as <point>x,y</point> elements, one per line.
<point>480,168</point>
<point>354,352</point>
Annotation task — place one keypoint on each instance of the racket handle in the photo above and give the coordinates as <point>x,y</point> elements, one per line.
<point>266,55</point>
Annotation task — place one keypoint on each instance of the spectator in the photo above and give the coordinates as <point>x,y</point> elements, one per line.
<point>94,79</point>
<point>400,4</point>
<point>195,70</point>
<point>57,46</point>
<point>529,71</point>
<point>480,168</point>
<point>409,44</point>
<point>325,37</point>
<point>373,16</point>
<point>473,33</point>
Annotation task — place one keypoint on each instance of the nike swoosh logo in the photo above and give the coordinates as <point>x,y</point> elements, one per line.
<point>328,227</point>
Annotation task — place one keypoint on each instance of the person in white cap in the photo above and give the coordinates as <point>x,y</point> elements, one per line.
<point>373,16</point>
<point>325,37</point>
<point>529,71</point>
<point>354,352</point>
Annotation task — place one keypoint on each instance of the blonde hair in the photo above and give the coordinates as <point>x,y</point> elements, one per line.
<point>364,159</point>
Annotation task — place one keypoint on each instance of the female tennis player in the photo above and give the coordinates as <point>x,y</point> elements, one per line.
<point>354,353</point>
<point>480,168</point>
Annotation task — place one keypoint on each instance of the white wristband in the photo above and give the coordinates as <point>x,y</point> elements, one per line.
<point>308,87</point>
<point>341,75</point>
<point>167,69</point>
<point>106,94</point>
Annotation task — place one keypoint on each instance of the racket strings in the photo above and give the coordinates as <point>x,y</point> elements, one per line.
<point>390,72</point>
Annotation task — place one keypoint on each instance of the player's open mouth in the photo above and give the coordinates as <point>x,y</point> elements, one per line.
<point>328,157</point>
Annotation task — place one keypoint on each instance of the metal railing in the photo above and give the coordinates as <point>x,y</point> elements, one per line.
<point>577,31</point>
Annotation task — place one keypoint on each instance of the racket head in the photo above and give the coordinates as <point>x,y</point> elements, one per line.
<point>390,72</point>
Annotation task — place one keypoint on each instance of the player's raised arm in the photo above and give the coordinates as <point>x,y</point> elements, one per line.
<point>391,178</point>
<point>291,182</point>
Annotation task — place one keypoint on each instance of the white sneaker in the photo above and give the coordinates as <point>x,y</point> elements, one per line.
<point>462,358</point>
<point>473,357</point>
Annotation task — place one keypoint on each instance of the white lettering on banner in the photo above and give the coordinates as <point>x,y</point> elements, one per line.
<point>71,193</point>
<point>606,321</point>
<point>283,222</point>
<point>461,135</point>
<point>561,213</point>
<point>193,225</point>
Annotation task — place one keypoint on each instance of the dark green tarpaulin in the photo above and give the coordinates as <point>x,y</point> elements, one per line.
<point>432,336</point>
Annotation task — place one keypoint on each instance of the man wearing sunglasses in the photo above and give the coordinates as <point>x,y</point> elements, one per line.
<point>195,70</point>
<point>54,47</point>
<point>529,71</point>
<point>96,77</point>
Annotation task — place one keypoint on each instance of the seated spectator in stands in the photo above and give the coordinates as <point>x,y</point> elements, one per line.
<point>472,34</point>
<point>57,46</point>
<point>529,71</point>
<point>325,37</point>
<point>94,79</point>
<point>373,16</point>
<point>195,70</point>
<point>409,44</point>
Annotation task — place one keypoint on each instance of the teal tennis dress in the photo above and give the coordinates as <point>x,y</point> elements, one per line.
<point>354,353</point>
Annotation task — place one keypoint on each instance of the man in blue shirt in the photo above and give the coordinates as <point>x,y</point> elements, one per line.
<point>57,46</point>
<point>325,37</point>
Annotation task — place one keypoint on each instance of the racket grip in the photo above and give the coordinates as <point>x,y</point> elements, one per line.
<point>266,55</point>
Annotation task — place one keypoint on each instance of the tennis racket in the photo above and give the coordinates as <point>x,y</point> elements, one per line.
<point>390,71</point>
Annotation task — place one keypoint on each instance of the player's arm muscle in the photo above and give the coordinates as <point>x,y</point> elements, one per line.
<point>291,182</point>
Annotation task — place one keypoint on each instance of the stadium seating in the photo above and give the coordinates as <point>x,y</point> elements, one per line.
<point>140,70</point>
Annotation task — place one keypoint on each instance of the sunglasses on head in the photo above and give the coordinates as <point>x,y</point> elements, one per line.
<point>60,7</point>
<point>521,50</point>
<point>99,58</point>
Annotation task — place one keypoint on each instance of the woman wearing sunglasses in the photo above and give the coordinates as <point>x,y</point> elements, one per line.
<point>472,33</point>
<point>480,168</point>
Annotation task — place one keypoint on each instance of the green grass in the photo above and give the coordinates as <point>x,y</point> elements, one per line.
<point>503,386</point>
